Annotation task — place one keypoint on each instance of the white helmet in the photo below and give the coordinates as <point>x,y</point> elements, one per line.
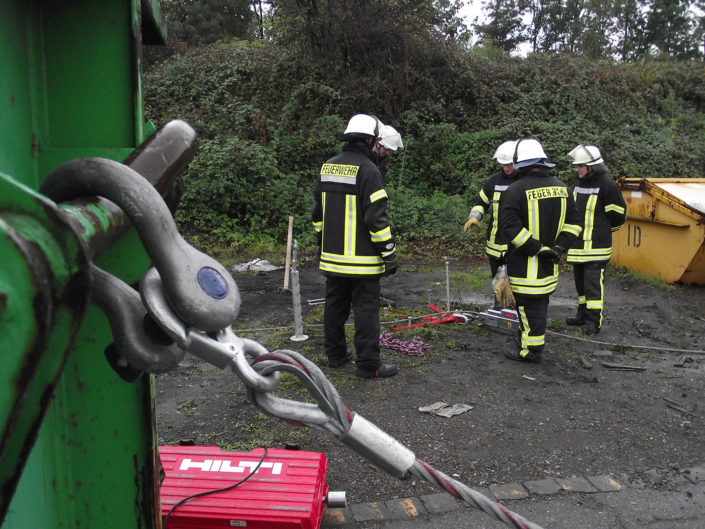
<point>586,155</point>
<point>529,151</point>
<point>505,153</point>
<point>363,125</point>
<point>389,138</point>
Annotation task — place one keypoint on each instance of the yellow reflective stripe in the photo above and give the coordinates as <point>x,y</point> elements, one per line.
<point>534,225</point>
<point>581,300</point>
<point>324,197</point>
<point>589,217</point>
<point>483,196</point>
<point>523,285</point>
<point>524,330</point>
<point>497,246</point>
<point>390,252</point>
<point>586,255</point>
<point>479,209</point>
<point>381,235</point>
<point>532,267</point>
<point>594,304</point>
<point>318,226</point>
<point>521,237</point>
<point>352,270</point>
<point>378,195</point>
<point>350,229</point>
<point>574,229</point>
<point>615,208</point>
<point>495,216</point>
<point>493,252</point>
<point>562,217</point>
<point>534,340</point>
<point>361,259</point>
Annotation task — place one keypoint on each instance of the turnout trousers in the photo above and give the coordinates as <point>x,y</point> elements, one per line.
<point>362,295</point>
<point>494,266</point>
<point>590,285</point>
<point>532,311</point>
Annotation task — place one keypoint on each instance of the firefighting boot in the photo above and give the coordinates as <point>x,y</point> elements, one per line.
<point>579,318</point>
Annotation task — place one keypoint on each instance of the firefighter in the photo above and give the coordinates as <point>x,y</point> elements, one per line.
<point>487,203</point>
<point>539,220</point>
<point>389,141</point>
<point>603,210</point>
<point>357,246</point>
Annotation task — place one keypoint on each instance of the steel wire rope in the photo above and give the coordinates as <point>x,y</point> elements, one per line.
<point>340,423</point>
<point>627,345</point>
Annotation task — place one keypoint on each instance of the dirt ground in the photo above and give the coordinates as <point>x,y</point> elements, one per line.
<point>571,416</point>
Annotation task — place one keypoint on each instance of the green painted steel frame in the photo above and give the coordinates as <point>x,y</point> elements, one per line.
<point>70,88</point>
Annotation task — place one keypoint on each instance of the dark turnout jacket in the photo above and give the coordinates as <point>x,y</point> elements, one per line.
<point>603,210</point>
<point>537,210</point>
<point>487,203</point>
<point>350,214</point>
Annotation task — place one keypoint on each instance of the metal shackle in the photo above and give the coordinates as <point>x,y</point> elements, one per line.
<point>198,288</point>
<point>126,315</point>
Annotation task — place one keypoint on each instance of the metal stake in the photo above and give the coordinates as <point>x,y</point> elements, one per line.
<point>299,335</point>
<point>447,282</point>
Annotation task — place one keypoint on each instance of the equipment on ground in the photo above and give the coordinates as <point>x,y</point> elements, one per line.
<point>505,321</point>
<point>260,489</point>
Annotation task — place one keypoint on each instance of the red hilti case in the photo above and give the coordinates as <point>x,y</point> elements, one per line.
<point>287,491</point>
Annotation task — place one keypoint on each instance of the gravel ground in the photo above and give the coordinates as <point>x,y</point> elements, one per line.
<point>574,415</point>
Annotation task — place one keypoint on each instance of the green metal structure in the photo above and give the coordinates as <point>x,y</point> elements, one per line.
<point>77,442</point>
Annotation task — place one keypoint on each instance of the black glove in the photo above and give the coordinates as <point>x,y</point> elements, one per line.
<point>390,264</point>
<point>549,254</point>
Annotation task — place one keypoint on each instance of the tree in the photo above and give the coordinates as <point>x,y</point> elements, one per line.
<point>670,30</point>
<point>198,22</point>
<point>628,29</point>
<point>503,29</point>
<point>366,35</point>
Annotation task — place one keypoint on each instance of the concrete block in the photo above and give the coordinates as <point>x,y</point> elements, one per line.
<point>542,487</point>
<point>576,485</point>
<point>401,508</point>
<point>509,491</point>
<point>440,502</point>
<point>605,483</point>
<point>364,512</point>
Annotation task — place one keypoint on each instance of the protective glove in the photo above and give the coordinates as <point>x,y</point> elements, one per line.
<point>503,293</point>
<point>474,220</point>
<point>549,254</point>
<point>502,288</point>
<point>390,264</point>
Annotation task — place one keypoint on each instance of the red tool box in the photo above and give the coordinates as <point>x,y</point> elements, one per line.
<point>287,491</point>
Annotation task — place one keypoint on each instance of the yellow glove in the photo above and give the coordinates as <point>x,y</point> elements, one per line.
<point>472,221</point>
<point>503,293</point>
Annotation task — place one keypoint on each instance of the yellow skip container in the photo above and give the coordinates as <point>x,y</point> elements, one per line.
<point>665,230</point>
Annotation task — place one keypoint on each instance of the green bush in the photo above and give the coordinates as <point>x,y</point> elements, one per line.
<point>267,118</point>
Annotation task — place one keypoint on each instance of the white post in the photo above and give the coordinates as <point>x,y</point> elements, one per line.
<point>288,254</point>
<point>299,335</point>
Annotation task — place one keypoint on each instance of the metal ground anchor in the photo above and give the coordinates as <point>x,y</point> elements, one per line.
<point>299,335</point>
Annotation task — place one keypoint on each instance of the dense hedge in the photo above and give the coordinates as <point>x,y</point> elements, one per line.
<point>267,119</point>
